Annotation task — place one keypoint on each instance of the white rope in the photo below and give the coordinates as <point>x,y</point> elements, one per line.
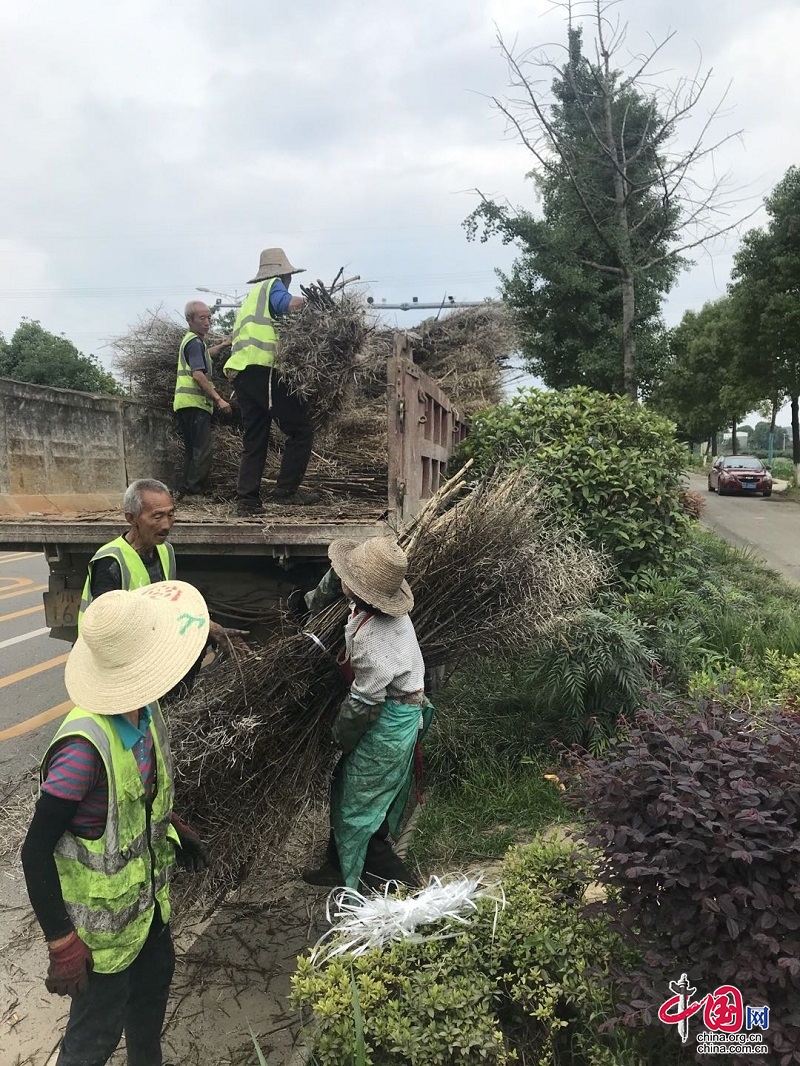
<point>361,922</point>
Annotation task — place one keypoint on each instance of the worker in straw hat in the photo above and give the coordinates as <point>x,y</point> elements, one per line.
<point>104,838</point>
<point>262,393</point>
<point>382,718</point>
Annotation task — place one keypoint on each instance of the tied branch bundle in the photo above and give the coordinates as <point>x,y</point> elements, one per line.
<point>252,743</point>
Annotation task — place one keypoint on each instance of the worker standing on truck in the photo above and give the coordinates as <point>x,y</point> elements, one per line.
<point>142,555</point>
<point>195,399</point>
<point>104,838</point>
<point>382,719</point>
<point>261,392</point>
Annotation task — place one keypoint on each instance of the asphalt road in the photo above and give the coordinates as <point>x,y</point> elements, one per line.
<point>32,693</point>
<point>770,527</point>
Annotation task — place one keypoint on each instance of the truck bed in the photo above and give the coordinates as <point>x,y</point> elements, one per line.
<point>199,527</point>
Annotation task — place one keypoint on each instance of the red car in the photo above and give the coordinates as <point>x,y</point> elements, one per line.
<point>739,473</point>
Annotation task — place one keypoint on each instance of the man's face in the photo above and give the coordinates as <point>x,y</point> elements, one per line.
<point>200,321</point>
<point>155,521</point>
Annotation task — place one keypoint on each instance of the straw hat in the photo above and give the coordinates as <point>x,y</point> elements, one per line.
<point>374,570</point>
<point>135,646</point>
<point>274,264</point>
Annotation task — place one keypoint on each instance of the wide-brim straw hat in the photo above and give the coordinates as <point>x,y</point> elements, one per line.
<point>274,264</point>
<point>135,646</point>
<point>374,570</point>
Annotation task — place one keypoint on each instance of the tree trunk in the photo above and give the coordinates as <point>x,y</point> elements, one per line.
<point>734,439</point>
<point>774,417</point>
<point>713,442</point>
<point>796,437</point>
<point>629,339</point>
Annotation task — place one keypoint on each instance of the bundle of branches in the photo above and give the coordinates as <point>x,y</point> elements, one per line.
<point>465,351</point>
<point>251,744</point>
<point>322,349</point>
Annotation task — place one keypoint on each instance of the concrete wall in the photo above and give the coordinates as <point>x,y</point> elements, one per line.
<point>60,442</point>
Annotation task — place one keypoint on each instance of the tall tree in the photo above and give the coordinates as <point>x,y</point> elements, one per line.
<point>766,296</point>
<point>703,389</point>
<point>33,354</point>
<point>621,204</point>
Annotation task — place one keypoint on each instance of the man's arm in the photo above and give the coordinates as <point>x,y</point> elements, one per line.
<point>281,301</point>
<point>193,354</point>
<point>208,388</point>
<point>106,577</point>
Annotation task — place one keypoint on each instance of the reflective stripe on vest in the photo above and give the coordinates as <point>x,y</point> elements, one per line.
<point>134,573</point>
<point>187,392</point>
<point>255,340</point>
<point>111,885</point>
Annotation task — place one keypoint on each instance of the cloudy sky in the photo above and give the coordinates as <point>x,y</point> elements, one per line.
<point>149,148</point>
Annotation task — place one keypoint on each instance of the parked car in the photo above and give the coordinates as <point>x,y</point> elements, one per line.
<point>739,473</point>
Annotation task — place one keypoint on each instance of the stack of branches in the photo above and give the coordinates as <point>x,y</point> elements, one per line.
<point>323,349</point>
<point>252,747</point>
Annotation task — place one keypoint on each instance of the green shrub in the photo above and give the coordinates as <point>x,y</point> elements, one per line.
<point>523,984</point>
<point>614,469</point>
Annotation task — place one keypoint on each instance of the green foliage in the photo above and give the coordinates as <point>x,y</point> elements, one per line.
<point>565,284</point>
<point>42,358</point>
<point>522,984</point>
<point>613,469</point>
<point>702,389</point>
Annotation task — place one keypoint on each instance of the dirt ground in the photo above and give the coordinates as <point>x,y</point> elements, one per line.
<point>232,973</point>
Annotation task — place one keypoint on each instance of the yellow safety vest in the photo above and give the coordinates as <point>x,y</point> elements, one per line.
<point>134,572</point>
<point>111,885</point>
<point>187,392</point>
<point>255,339</point>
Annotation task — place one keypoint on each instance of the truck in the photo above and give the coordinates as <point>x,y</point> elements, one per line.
<point>67,457</point>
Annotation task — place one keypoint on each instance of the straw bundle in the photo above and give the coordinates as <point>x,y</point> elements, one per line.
<point>252,744</point>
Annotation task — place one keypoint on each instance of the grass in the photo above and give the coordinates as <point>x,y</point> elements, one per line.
<point>495,804</point>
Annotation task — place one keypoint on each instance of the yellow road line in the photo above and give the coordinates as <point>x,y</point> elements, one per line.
<point>36,722</point>
<point>31,671</point>
<point>19,555</point>
<point>22,591</point>
<point>21,614</point>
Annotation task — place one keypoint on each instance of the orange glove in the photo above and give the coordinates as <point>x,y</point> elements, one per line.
<point>70,966</point>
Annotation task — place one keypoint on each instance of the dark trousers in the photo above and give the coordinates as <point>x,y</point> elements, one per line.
<point>253,393</point>
<point>381,863</point>
<point>195,429</point>
<point>133,1001</point>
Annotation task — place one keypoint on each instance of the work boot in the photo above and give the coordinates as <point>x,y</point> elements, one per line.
<point>245,509</point>
<point>325,876</point>
<point>298,498</point>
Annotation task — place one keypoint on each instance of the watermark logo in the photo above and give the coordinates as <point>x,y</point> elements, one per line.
<point>730,1026</point>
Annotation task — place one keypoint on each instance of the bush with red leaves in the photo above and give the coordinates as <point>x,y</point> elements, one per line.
<point>697,815</point>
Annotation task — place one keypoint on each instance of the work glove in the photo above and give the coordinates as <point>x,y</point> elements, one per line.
<point>70,966</point>
<point>191,854</point>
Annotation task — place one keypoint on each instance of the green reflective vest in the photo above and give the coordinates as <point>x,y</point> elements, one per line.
<point>255,340</point>
<point>187,392</point>
<point>134,572</point>
<point>111,885</point>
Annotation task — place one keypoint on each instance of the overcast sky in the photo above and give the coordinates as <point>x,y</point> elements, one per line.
<point>148,148</point>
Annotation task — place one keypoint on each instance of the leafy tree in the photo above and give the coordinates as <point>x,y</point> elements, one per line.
<point>33,354</point>
<point>620,205</point>
<point>766,283</point>
<point>703,389</point>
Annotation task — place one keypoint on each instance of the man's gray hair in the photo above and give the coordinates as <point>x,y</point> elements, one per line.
<point>191,309</point>
<point>132,503</point>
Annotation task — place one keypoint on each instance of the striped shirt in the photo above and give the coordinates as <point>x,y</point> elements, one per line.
<point>76,772</point>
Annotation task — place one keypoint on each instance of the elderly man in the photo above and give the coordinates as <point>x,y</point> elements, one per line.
<point>262,393</point>
<point>195,398</point>
<point>142,555</point>
<point>104,839</point>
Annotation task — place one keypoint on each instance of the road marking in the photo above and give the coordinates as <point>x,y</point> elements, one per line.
<point>36,722</point>
<point>22,591</point>
<point>21,614</point>
<point>24,636</point>
<point>18,556</point>
<point>31,671</point>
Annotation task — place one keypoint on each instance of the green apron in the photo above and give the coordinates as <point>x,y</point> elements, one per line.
<point>373,782</point>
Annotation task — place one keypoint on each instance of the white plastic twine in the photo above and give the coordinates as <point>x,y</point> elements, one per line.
<point>361,922</point>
